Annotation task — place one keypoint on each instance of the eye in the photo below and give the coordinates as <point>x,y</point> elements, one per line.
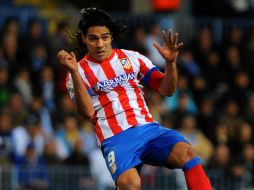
<point>105,38</point>
<point>93,38</point>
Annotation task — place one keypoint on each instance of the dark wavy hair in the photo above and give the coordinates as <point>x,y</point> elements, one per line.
<point>96,17</point>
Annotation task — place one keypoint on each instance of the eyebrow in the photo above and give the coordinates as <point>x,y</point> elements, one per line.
<point>93,35</point>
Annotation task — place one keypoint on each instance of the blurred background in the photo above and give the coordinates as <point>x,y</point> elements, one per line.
<point>44,145</point>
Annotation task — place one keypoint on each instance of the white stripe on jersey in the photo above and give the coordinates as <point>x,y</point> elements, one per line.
<point>121,118</point>
<point>103,122</point>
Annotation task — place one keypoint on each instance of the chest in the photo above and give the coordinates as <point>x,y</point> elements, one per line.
<point>108,75</point>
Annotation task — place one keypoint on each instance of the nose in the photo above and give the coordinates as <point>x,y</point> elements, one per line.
<point>100,43</point>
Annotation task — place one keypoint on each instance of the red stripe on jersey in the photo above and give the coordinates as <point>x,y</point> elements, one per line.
<point>141,103</point>
<point>143,68</point>
<point>108,70</point>
<point>99,132</point>
<point>89,74</point>
<point>155,79</point>
<point>92,81</point>
<point>123,98</point>
<point>109,112</point>
<point>131,118</point>
<point>137,91</point>
<point>125,102</point>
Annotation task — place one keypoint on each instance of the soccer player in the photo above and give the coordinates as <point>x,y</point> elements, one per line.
<point>106,86</point>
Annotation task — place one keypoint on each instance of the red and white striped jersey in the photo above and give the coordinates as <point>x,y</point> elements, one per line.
<point>116,91</point>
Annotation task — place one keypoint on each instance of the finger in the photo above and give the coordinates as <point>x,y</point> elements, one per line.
<point>73,55</point>
<point>180,45</point>
<point>60,53</point>
<point>60,57</point>
<point>170,36</point>
<point>164,36</point>
<point>176,38</point>
<point>157,46</point>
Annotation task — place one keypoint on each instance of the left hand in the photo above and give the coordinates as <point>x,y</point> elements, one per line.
<point>171,47</point>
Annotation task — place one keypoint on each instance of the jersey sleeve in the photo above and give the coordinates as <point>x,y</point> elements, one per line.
<point>149,73</point>
<point>70,86</point>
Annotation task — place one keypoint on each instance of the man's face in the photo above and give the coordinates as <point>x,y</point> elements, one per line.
<point>98,42</point>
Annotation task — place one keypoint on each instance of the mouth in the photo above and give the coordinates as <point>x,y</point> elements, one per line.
<point>100,53</point>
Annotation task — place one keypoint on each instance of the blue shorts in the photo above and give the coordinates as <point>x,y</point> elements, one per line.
<point>149,144</point>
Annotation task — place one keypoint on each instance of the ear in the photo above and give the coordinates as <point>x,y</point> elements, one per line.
<point>83,37</point>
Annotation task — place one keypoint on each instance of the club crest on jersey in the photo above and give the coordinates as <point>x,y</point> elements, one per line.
<point>125,62</point>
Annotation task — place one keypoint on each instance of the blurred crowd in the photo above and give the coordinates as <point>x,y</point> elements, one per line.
<point>213,105</point>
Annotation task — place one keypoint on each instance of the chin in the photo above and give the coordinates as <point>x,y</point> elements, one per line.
<point>100,59</point>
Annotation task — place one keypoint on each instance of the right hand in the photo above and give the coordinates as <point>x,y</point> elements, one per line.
<point>68,59</point>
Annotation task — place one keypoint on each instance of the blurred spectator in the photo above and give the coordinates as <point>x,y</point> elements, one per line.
<point>47,84</point>
<point>87,135</point>
<point>244,136</point>
<point>30,132</point>
<point>182,102</point>
<point>137,43</point>
<point>249,109</point>
<point>220,160</point>
<point>207,117</point>
<point>6,143</point>
<point>12,41</point>
<point>242,168</point>
<point>77,156</point>
<point>221,134</point>
<point>231,117</point>
<point>156,106</point>
<point>220,163</point>
<point>235,38</point>
<point>199,142</point>
<point>202,45</point>
<point>23,84</point>
<point>65,106</point>
<point>38,61</point>
<point>44,117</point>
<point>5,87</point>
<point>37,36</point>
<point>50,154</point>
<point>240,90</point>
<point>154,36</point>
<point>213,72</point>
<point>248,162</point>
<point>233,63</point>
<point>188,65</point>
<point>61,39</point>
<point>67,136</point>
<point>32,172</point>
<point>39,49</point>
<point>200,89</point>
<point>139,38</point>
<point>3,61</point>
<point>248,57</point>
<point>17,109</point>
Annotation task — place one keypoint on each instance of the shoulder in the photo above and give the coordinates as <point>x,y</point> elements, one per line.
<point>121,52</point>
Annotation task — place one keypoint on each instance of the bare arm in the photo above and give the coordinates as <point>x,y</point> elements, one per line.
<point>169,52</point>
<point>83,100</point>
